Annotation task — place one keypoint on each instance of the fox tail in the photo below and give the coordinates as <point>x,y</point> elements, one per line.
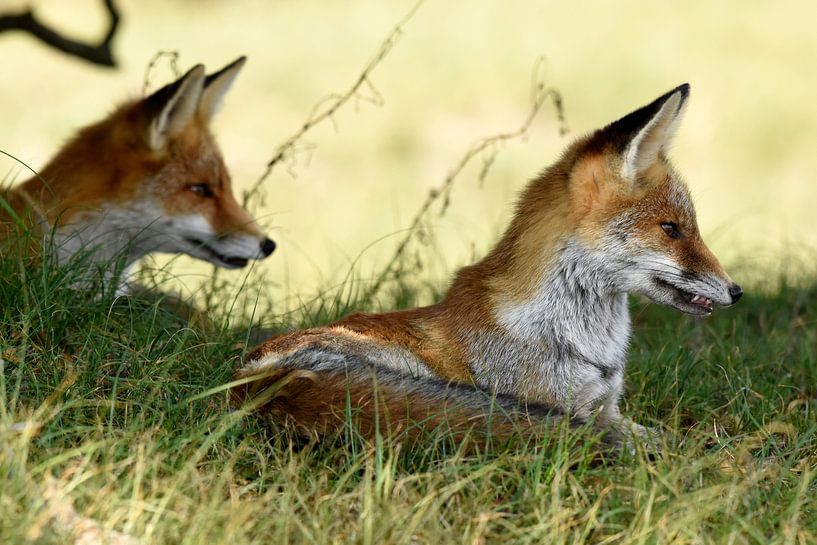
<point>322,399</point>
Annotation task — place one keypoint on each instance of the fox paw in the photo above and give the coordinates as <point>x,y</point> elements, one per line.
<point>634,438</point>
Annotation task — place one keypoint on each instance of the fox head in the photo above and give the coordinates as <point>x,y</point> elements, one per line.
<point>629,204</point>
<point>193,186</point>
<point>151,178</point>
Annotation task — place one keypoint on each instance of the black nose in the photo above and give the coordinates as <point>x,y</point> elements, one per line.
<point>268,246</point>
<point>736,292</point>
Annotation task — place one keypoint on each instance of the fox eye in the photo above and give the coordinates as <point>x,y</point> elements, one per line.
<point>202,190</point>
<point>671,229</point>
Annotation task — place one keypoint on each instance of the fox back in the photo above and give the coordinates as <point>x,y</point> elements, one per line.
<point>542,321</point>
<point>148,178</point>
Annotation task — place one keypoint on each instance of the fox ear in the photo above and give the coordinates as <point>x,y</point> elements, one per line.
<point>177,105</point>
<point>647,132</point>
<point>216,86</point>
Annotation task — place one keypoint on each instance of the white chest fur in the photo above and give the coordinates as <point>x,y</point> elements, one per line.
<point>566,344</point>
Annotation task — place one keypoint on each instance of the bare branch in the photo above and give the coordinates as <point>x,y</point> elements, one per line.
<point>98,54</point>
<point>487,148</point>
<point>326,108</point>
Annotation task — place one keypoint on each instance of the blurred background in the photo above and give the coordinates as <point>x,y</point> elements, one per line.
<point>460,71</point>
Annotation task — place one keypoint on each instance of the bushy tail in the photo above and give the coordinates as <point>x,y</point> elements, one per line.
<point>325,399</point>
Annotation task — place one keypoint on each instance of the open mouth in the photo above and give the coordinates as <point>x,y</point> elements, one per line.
<point>226,261</point>
<point>691,303</point>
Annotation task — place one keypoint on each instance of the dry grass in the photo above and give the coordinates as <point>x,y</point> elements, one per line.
<point>106,425</point>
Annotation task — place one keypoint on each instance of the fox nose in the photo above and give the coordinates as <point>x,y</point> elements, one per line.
<point>735,292</point>
<point>267,246</point>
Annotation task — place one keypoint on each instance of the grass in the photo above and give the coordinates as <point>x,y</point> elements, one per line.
<point>107,404</point>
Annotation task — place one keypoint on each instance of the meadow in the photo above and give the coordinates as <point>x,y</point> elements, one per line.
<point>114,408</point>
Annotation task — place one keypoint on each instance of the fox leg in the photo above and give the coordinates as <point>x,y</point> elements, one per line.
<point>628,433</point>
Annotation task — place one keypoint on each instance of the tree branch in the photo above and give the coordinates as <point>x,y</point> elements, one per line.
<point>98,54</point>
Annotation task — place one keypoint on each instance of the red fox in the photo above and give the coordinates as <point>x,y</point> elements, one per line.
<point>148,178</point>
<point>539,328</point>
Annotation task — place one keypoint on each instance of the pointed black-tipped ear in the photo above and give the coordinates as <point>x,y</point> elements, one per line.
<point>175,105</point>
<point>216,86</point>
<point>643,135</point>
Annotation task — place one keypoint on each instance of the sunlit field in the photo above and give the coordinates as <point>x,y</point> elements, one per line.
<point>459,72</point>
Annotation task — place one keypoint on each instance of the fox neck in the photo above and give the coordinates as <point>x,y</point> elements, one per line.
<point>574,308</point>
<point>542,285</point>
<point>109,235</point>
<point>103,234</point>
